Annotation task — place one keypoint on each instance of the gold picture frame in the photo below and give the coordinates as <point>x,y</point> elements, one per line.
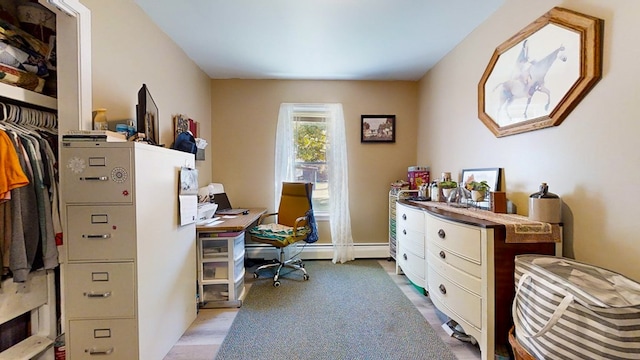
<point>539,75</point>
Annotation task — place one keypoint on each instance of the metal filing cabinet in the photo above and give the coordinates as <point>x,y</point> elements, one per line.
<point>128,276</point>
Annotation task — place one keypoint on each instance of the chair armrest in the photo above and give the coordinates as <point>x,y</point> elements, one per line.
<point>300,222</point>
<point>264,216</point>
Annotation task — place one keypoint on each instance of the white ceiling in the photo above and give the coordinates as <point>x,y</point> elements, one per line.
<point>318,39</point>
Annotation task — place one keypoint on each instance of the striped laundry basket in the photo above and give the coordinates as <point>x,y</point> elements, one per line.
<point>565,309</point>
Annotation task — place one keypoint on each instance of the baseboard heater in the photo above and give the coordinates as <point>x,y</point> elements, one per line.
<point>317,251</point>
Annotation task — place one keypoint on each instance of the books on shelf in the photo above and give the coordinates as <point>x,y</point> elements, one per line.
<point>94,135</point>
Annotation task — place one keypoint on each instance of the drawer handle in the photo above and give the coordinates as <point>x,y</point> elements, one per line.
<point>404,216</point>
<point>99,352</point>
<point>96,236</point>
<point>404,256</point>
<point>442,254</point>
<point>443,289</point>
<point>441,234</point>
<point>98,295</point>
<point>94,178</point>
<point>404,231</point>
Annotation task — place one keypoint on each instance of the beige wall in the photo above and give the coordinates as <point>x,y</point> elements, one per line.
<point>244,117</point>
<point>594,147</point>
<point>128,49</point>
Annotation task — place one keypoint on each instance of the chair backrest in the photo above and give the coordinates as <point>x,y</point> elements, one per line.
<point>294,202</point>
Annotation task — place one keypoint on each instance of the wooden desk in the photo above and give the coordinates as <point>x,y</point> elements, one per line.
<point>221,260</point>
<point>237,223</point>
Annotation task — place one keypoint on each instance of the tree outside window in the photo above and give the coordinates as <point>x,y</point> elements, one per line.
<point>311,162</point>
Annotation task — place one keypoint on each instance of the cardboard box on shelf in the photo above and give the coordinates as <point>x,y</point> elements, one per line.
<point>417,175</point>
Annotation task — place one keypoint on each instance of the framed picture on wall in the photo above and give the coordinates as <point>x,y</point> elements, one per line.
<point>378,128</point>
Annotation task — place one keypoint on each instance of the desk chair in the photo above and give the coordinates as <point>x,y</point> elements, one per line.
<point>294,222</point>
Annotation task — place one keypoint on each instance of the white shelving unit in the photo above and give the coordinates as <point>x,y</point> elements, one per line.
<point>28,96</point>
<point>220,268</point>
<point>394,195</point>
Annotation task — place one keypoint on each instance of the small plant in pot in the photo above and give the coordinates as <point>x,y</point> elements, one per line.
<point>478,189</point>
<point>447,186</point>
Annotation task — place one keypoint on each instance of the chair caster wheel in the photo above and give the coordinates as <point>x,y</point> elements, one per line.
<point>305,277</point>
<point>255,275</point>
<point>276,283</point>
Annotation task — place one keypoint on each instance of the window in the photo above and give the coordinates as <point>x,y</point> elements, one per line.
<point>310,134</point>
<point>311,125</point>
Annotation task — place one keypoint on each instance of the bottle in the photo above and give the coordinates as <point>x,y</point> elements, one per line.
<point>435,194</point>
<point>100,119</point>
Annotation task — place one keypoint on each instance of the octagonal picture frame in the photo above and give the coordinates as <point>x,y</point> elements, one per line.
<point>539,75</point>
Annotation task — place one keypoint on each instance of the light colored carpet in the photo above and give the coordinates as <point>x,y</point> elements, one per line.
<point>345,311</point>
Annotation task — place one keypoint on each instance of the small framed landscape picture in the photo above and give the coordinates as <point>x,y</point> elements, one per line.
<point>378,129</point>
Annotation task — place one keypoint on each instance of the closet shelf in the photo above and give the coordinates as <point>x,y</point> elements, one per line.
<point>28,96</point>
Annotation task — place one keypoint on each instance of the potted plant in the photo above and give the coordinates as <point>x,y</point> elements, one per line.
<point>447,186</point>
<point>478,189</point>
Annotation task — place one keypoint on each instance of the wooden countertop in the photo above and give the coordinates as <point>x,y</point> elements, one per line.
<point>518,228</point>
<point>234,222</point>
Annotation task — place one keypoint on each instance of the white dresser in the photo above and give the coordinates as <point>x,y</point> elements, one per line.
<point>411,245</point>
<point>129,289</point>
<point>468,267</point>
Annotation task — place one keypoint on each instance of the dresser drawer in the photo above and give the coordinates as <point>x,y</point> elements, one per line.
<point>412,241</point>
<point>100,233</point>
<point>411,219</point>
<point>457,238</point>
<point>460,271</point>
<point>464,303</point>
<point>104,339</point>
<point>100,290</point>
<point>413,266</point>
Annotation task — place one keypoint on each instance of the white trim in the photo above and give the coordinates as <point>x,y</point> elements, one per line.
<point>317,251</point>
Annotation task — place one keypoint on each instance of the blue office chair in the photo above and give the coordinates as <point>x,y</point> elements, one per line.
<point>294,222</point>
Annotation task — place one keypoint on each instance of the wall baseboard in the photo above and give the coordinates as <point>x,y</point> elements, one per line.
<point>316,251</point>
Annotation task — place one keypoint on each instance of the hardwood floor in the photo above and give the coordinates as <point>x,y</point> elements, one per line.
<point>202,340</point>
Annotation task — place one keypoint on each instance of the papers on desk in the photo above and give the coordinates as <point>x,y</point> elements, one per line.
<point>209,222</point>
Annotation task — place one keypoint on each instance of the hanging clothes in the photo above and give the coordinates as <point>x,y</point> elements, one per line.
<point>11,174</point>
<point>31,219</point>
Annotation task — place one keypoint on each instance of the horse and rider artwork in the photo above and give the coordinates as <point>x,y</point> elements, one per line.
<point>533,76</point>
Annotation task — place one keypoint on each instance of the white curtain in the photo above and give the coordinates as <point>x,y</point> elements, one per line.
<point>339,214</point>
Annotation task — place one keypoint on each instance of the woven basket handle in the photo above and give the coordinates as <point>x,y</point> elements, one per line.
<point>557,314</point>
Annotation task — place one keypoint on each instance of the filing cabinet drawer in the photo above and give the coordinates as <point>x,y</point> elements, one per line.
<point>95,176</point>
<point>103,339</point>
<point>101,232</point>
<point>408,218</point>
<point>458,238</point>
<point>464,303</point>
<point>104,290</point>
